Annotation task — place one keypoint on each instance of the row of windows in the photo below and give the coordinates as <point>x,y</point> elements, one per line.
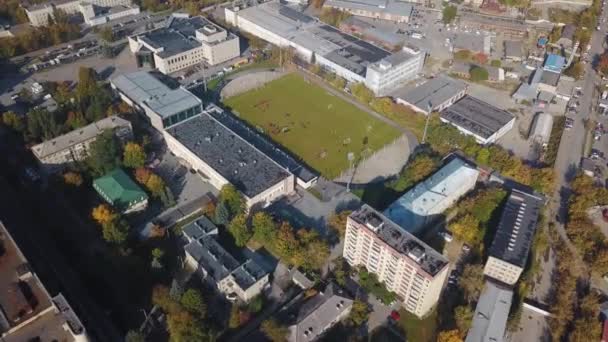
<point>181,116</point>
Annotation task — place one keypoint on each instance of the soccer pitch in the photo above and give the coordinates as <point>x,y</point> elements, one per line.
<point>311,123</point>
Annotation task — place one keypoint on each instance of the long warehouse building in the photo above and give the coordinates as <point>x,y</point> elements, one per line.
<point>347,56</point>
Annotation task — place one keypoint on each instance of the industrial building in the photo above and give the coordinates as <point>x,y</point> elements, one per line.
<point>391,10</point>
<point>163,101</point>
<point>425,202</point>
<point>55,154</point>
<point>28,312</point>
<point>184,42</point>
<point>318,314</point>
<point>221,156</point>
<point>479,119</point>
<point>433,95</point>
<point>39,13</point>
<point>406,265</point>
<point>245,279</point>
<point>103,15</point>
<point>491,314</point>
<point>511,246</point>
<point>347,56</point>
<point>541,129</point>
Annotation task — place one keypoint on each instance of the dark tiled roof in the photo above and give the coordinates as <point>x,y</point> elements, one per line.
<point>477,116</point>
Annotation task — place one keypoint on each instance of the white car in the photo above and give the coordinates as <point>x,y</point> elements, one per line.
<point>447,237</point>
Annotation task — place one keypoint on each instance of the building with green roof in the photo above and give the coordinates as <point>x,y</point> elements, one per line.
<point>121,192</point>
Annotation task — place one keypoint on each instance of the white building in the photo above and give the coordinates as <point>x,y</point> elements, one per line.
<point>391,10</point>
<point>203,253</point>
<point>514,235</point>
<point>163,103</point>
<point>222,156</point>
<point>185,42</point>
<point>347,56</point>
<point>98,16</point>
<point>433,95</point>
<point>479,119</point>
<point>39,14</point>
<point>53,155</point>
<point>406,265</point>
<point>542,127</point>
<point>425,202</point>
<point>491,314</point>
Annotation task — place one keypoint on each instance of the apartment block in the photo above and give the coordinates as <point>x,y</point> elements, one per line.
<point>39,14</point>
<point>184,42</point>
<point>406,265</point>
<point>53,155</point>
<point>511,245</point>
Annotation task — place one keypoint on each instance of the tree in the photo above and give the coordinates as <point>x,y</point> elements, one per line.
<point>576,70</point>
<point>362,93</point>
<point>264,227</point>
<point>340,271</point>
<point>13,121</point>
<point>463,55</point>
<point>155,185</point>
<point>115,231</point>
<point>463,315</point>
<point>72,178</point>
<point>478,74</point>
<point>161,297</point>
<point>133,155</point>
<point>233,199</point>
<point>103,214</point>
<point>471,282</point>
<point>104,153</point>
<point>209,209</point>
<point>449,14</point>
<point>333,16</point>
<point>466,229</point>
<point>192,8</point>
<point>359,313</point>
<point>235,320</point>
<point>87,83</point>
<point>222,215</point>
<point>449,336</point>
<point>42,125</point>
<point>274,331</point>
<point>193,301</point>
<point>239,230</point>
<point>106,34</point>
<point>337,222</point>
<point>157,256</point>
<point>602,65</point>
<point>183,326</point>
<point>285,242</point>
<point>382,105</point>
<point>312,250</point>
<point>480,58</point>
<point>134,336</point>
<point>142,175</point>
<point>496,63</point>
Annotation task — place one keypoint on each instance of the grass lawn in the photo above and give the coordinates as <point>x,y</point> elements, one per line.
<point>313,124</point>
<point>419,330</point>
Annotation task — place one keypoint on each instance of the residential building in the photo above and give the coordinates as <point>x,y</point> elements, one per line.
<point>28,312</point>
<point>222,156</point>
<point>425,202</point>
<point>39,13</point>
<point>433,95</point>
<point>185,42</point>
<point>509,250</point>
<point>53,155</point>
<point>315,42</point>
<point>214,264</point>
<point>318,314</point>
<point>479,119</point>
<point>472,42</point>
<point>391,10</point>
<point>406,265</point>
<point>491,314</point>
<point>101,15</point>
<point>163,101</point>
<point>121,192</point>
<point>514,50</point>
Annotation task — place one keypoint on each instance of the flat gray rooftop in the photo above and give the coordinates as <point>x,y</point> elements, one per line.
<point>392,7</point>
<point>144,87</point>
<point>248,274</point>
<point>431,261</point>
<point>516,228</point>
<point>248,169</point>
<point>491,314</point>
<point>432,93</point>
<point>477,116</point>
<point>212,257</point>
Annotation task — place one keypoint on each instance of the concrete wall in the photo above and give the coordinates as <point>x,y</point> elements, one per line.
<point>502,270</point>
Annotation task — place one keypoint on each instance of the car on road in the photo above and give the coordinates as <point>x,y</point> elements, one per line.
<point>447,237</point>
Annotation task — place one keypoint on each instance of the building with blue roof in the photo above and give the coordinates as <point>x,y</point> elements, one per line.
<point>554,63</point>
<point>427,200</point>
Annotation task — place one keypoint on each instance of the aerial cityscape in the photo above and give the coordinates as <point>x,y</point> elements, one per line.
<point>303,170</point>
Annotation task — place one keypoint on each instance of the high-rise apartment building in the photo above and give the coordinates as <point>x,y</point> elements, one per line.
<point>406,265</point>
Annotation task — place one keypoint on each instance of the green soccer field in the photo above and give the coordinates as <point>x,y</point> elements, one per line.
<point>311,123</point>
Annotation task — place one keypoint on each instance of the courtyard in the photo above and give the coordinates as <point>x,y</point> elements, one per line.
<point>311,123</point>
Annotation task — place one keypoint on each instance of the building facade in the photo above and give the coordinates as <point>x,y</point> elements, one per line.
<point>99,18</point>
<point>185,42</point>
<point>391,10</point>
<point>39,14</point>
<point>491,314</point>
<point>53,155</point>
<point>403,263</point>
<point>433,95</point>
<point>121,192</point>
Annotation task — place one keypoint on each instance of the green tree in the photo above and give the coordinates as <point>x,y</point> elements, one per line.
<point>104,153</point>
<point>133,155</point>
<point>576,70</point>
<point>362,93</point>
<point>466,229</point>
<point>478,74</point>
<point>115,231</point>
<point>264,227</point>
<point>222,214</point>
<point>340,271</point>
<point>463,315</point>
<point>13,121</point>
<point>42,125</point>
<point>359,313</point>
<point>193,301</point>
<point>274,331</point>
<point>87,83</point>
<point>184,327</point>
<point>449,14</point>
<point>313,250</point>
<point>233,199</point>
<point>337,222</point>
<point>239,230</point>
<point>235,320</point>
<point>106,34</point>
<point>471,282</point>
<point>496,63</point>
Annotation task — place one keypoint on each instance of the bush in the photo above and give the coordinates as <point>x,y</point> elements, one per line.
<point>478,74</point>
<point>370,283</point>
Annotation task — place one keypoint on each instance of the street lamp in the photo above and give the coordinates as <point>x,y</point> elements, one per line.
<point>426,123</point>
